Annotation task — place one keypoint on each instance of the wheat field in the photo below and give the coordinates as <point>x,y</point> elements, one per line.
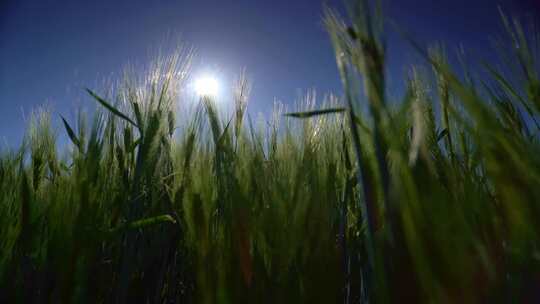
<point>432,198</point>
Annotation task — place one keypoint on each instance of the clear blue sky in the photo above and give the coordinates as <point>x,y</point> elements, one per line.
<point>51,49</point>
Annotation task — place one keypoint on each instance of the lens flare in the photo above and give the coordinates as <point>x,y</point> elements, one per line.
<point>206,86</point>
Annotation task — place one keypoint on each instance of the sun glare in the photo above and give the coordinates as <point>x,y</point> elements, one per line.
<point>206,86</point>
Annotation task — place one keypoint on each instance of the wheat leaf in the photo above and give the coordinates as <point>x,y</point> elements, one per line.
<point>308,114</point>
<point>111,108</point>
<point>71,133</point>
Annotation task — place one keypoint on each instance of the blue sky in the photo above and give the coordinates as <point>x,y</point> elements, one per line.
<point>51,49</point>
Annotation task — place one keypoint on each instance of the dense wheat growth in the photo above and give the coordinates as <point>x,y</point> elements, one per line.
<point>434,198</point>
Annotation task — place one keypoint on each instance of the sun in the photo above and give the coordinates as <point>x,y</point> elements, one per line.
<point>206,86</point>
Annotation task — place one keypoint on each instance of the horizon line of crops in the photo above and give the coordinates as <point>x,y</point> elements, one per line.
<point>432,199</point>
